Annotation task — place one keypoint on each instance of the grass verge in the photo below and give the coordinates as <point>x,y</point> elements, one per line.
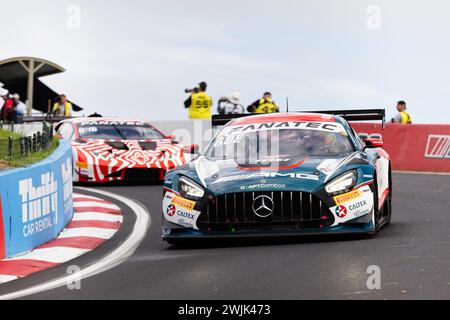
<point>17,161</point>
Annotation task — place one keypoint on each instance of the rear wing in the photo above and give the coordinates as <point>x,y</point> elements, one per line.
<point>349,115</point>
<point>223,119</point>
<point>357,115</point>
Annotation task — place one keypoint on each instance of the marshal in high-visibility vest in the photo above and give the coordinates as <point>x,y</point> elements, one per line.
<point>264,105</point>
<point>64,110</point>
<point>406,117</point>
<point>200,107</point>
<point>403,115</point>
<point>62,107</point>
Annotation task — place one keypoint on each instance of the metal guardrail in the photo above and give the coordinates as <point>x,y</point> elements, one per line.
<point>44,118</point>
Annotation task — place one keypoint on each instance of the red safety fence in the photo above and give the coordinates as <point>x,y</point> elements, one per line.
<point>422,148</point>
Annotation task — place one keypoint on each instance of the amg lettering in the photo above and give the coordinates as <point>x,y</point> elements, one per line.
<point>268,175</point>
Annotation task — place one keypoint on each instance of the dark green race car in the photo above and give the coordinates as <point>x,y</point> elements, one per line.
<point>281,175</point>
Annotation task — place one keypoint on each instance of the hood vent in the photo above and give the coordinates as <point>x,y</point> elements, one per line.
<point>148,145</point>
<point>117,145</point>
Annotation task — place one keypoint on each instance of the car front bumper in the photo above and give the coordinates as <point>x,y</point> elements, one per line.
<point>128,174</point>
<point>180,233</point>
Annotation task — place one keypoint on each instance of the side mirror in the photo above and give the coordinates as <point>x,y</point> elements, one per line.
<point>373,143</point>
<point>191,149</point>
<point>363,136</point>
<point>81,140</point>
<point>171,137</point>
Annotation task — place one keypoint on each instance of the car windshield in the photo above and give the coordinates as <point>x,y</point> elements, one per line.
<point>258,144</point>
<point>119,132</point>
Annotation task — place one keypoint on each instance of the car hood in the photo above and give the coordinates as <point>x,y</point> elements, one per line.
<point>122,146</point>
<point>302,173</point>
<point>131,153</point>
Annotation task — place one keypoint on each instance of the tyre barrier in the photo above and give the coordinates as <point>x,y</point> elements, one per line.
<point>35,202</point>
<point>416,147</point>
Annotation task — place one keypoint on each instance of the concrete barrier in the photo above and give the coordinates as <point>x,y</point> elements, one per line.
<point>35,202</point>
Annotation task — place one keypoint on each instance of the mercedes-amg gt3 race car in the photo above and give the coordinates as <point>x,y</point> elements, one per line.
<point>281,174</point>
<point>107,150</point>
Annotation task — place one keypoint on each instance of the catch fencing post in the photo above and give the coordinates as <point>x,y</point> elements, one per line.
<point>10,142</point>
<point>22,147</point>
<point>34,143</point>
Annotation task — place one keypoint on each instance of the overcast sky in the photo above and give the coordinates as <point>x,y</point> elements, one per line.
<point>135,58</point>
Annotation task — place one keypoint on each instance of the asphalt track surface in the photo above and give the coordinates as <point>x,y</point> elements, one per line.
<point>413,254</point>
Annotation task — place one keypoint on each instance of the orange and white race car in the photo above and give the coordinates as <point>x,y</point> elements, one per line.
<point>108,149</point>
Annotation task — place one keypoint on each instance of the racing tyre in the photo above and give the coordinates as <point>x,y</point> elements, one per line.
<point>387,211</point>
<point>377,212</point>
<point>387,207</point>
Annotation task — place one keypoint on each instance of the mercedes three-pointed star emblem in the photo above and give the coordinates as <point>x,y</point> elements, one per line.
<point>263,206</point>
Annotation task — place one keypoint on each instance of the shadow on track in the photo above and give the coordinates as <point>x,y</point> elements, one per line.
<point>195,244</point>
<point>118,184</point>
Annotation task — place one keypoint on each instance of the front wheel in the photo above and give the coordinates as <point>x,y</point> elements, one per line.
<point>382,216</point>
<point>387,206</point>
<point>376,212</point>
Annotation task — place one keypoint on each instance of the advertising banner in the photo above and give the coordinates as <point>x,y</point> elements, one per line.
<point>421,148</point>
<point>36,202</point>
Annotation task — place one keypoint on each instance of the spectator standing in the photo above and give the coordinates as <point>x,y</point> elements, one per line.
<point>62,108</point>
<point>2,102</point>
<point>264,105</point>
<point>231,105</point>
<point>199,103</point>
<point>21,108</point>
<point>7,111</point>
<point>403,115</point>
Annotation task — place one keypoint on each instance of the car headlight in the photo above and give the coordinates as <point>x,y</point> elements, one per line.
<point>190,189</point>
<point>342,184</point>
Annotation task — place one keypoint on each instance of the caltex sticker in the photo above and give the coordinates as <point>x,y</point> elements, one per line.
<point>341,211</point>
<point>171,210</point>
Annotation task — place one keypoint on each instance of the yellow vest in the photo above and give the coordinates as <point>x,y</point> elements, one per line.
<point>266,107</point>
<point>200,106</point>
<point>67,108</point>
<point>406,117</point>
